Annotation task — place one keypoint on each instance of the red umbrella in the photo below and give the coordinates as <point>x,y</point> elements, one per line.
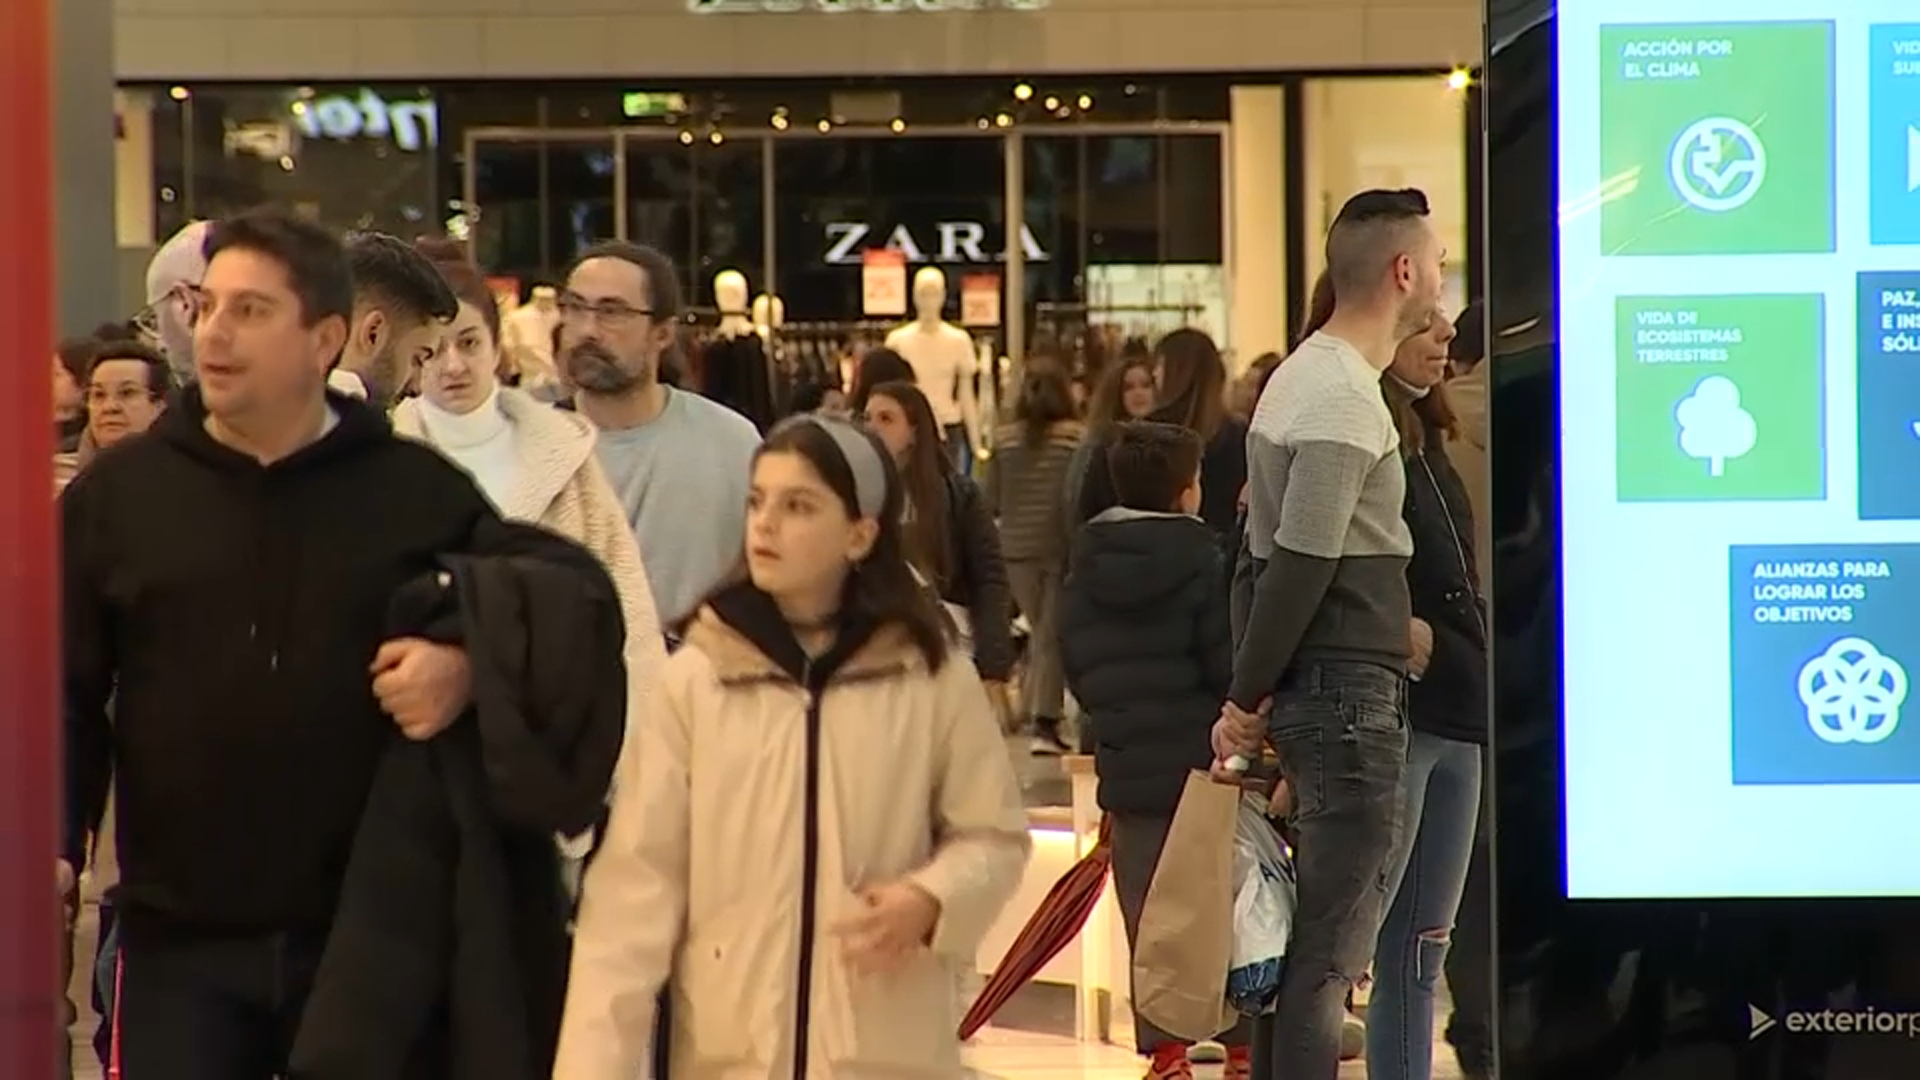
<point>1053,925</point>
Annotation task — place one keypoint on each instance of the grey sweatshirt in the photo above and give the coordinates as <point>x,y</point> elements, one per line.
<point>1325,490</point>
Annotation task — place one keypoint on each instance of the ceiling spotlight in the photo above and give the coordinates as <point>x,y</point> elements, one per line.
<point>1459,79</point>
<point>983,123</point>
<point>898,125</point>
<point>779,122</point>
<point>178,93</point>
<point>1085,102</point>
<point>1022,92</point>
<point>686,138</point>
<point>716,138</point>
<point>824,126</point>
<point>1003,120</point>
<point>1051,103</point>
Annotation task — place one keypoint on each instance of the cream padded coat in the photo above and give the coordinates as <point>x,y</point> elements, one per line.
<point>697,884</point>
<point>561,487</point>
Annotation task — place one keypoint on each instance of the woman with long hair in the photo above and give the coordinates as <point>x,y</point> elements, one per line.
<point>1128,390</point>
<point>1446,709</point>
<point>1193,395</point>
<point>951,538</point>
<point>1022,487</point>
<point>877,365</point>
<point>817,825</point>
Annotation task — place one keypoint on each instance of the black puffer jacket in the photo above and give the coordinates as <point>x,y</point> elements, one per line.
<point>1450,700</point>
<point>1145,642</point>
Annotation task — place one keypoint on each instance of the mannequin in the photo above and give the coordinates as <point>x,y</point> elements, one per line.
<point>769,315</point>
<point>527,337</point>
<point>734,365</point>
<point>943,365</point>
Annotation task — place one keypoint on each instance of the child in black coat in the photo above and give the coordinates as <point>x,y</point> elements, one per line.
<point>1147,648</point>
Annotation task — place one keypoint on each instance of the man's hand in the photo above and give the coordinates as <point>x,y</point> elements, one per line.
<point>1422,648</point>
<point>423,685</point>
<point>897,919</point>
<point>65,880</point>
<point>1239,731</point>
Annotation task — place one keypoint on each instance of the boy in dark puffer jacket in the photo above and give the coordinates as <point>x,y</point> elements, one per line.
<point>1148,653</point>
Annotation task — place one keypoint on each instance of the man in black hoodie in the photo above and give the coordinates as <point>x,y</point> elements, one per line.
<point>227,578</point>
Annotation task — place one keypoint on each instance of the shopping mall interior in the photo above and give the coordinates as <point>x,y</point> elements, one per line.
<point>1070,211</point>
<point>1084,172</point>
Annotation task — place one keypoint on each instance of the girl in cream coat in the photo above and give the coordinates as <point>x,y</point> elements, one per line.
<point>816,823</point>
<point>535,463</point>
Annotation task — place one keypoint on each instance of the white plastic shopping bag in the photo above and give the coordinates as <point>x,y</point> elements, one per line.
<point>1263,902</point>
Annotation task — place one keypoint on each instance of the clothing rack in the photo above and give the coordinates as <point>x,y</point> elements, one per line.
<point>1089,336</point>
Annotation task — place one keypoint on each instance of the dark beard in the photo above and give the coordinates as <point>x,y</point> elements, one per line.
<point>383,377</point>
<point>593,370</point>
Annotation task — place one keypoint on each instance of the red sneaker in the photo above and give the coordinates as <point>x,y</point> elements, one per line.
<point>1170,1062</point>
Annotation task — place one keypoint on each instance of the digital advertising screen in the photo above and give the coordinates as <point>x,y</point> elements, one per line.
<point>1739,329</point>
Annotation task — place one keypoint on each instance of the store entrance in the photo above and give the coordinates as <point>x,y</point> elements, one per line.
<point>536,198</point>
<point>1085,231</point>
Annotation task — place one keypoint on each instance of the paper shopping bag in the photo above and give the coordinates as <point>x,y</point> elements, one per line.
<point>1185,944</point>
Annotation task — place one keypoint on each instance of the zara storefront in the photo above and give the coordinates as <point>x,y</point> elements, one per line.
<point>1102,163</point>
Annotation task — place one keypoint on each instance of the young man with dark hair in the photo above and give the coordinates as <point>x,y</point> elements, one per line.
<point>1321,669</point>
<point>401,306</point>
<point>678,461</point>
<point>1145,644</point>
<point>226,578</point>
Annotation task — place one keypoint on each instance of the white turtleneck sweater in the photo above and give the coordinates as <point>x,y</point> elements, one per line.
<point>481,442</point>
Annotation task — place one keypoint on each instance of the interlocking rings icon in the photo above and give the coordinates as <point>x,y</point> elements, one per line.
<point>1853,693</point>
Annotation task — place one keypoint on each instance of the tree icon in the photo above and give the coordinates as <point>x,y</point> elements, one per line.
<point>1713,426</point>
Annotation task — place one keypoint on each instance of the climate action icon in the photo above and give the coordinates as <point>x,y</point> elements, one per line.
<point>1713,426</point>
<point>1710,178</point>
<point>1853,693</point>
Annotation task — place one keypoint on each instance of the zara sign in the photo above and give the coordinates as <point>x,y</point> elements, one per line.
<point>962,243</point>
<point>411,126</point>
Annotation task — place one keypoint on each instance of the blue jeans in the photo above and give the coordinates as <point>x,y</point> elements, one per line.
<point>1340,729</point>
<point>1428,875</point>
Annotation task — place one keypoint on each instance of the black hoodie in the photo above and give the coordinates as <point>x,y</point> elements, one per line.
<point>1148,652</point>
<point>233,609</point>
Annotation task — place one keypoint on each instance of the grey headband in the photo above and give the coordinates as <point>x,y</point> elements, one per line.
<point>863,461</point>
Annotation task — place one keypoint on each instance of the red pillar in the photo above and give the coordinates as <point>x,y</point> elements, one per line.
<point>29,636</point>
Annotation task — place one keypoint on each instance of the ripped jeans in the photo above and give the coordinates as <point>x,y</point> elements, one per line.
<point>1428,874</point>
<point>1340,730</point>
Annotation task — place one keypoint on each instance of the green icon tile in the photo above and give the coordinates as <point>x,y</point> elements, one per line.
<point>1716,138</point>
<point>1720,397</point>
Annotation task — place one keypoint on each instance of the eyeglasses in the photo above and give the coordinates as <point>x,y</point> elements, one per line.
<point>608,313</point>
<point>183,298</point>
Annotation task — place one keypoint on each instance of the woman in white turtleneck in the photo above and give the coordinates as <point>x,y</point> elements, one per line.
<point>534,462</point>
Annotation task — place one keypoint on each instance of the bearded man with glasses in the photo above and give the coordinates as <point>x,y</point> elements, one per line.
<point>678,461</point>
